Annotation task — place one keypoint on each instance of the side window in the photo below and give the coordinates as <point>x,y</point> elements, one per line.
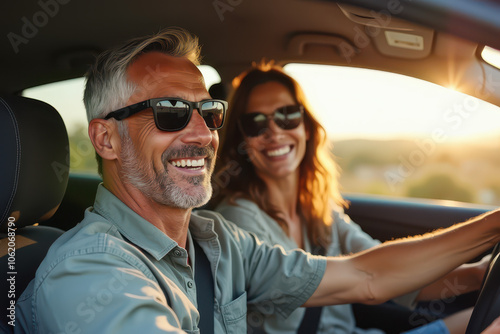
<point>67,97</point>
<point>399,136</point>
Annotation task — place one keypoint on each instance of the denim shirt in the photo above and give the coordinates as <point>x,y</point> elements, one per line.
<point>347,238</point>
<point>117,273</point>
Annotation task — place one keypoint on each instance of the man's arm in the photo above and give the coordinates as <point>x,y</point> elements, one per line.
<point>466,278</point>
<point>494,328</point>
<point>398,267</point>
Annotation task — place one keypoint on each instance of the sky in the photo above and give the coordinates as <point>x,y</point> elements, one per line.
<point>365,103</point>
<point>350,103</point>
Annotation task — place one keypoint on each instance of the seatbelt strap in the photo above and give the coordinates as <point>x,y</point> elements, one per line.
<point>204,290</point>
<point>310,321</point>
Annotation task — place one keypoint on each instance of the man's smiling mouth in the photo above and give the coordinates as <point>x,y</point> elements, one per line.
<point>188,163</point>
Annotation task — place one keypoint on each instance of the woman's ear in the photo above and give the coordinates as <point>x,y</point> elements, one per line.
<point>105,138</point>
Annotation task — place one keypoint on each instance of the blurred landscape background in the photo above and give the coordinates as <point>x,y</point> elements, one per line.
<point>467,171</point>
<point>393,135</point>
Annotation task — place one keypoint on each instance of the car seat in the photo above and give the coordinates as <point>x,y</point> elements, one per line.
<point>218,91</point>
<point>34,171</point>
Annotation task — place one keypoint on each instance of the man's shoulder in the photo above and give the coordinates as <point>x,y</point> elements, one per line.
<point>92,235</point>
<point>92,252</point>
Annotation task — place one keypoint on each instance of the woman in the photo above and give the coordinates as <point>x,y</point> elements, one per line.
<point>280,182</point>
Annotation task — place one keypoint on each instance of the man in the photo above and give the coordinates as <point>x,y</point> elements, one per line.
<point>128,266</point>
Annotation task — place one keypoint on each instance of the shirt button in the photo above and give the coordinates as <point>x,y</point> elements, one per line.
<point>177,252</point>
<point>190,284</point>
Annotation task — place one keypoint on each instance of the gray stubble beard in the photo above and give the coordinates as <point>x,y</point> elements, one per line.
<point>158,185</point>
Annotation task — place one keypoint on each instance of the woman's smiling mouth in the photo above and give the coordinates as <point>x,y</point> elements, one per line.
<point>279,151</point>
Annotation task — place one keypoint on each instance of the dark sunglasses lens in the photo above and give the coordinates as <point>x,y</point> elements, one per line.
<point>213,113</point>
<point>253,124</point>
<point>288,117</point>
<point>172,115</point>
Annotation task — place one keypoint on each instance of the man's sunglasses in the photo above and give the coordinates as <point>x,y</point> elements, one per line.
<point>254,124</point>
<point>173,114</point>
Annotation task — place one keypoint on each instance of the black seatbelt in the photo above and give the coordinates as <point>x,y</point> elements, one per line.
<point>310,321</point>
<point>204,290</point>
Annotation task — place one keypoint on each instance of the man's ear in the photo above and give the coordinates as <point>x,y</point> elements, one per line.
<point>105,138</point>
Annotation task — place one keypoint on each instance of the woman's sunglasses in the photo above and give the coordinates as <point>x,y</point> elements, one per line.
<point>173,114</point>
<point>256,123</point>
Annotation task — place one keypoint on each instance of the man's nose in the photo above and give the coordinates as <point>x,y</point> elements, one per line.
<point>197,130</point>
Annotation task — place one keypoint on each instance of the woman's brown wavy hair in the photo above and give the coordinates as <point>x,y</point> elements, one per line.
<point>235,176</point>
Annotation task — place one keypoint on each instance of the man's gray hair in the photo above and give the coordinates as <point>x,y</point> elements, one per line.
<point>107,87</point>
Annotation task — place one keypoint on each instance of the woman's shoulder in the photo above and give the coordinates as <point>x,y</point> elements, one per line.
<point>237,206</point>
<point>247,215</point>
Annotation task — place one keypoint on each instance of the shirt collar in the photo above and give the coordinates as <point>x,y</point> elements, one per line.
<point>133,227</point>
<point>201,225</point>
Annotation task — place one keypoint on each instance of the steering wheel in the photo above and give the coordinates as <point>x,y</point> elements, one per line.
<point>487,306</point>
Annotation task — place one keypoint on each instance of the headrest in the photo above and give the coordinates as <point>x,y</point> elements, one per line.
<point>34,165</point>
<point>218,91</point>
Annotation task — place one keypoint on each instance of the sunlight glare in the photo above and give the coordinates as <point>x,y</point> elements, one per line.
<point>491,56</point>
<point>362,103</point>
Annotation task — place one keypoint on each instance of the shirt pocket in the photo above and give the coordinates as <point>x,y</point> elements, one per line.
<point>234,315</point>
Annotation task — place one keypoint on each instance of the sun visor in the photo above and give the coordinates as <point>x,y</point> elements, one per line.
<point>392,36</point>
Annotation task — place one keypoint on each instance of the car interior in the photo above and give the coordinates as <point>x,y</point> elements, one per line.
<point>49,41</point>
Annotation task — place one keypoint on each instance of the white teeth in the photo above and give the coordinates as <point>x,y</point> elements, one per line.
<point>198,163</point>
<point>278,152</point>
<point>188,163</point>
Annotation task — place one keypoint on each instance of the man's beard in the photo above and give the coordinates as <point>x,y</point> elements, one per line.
<point>159,185</point>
